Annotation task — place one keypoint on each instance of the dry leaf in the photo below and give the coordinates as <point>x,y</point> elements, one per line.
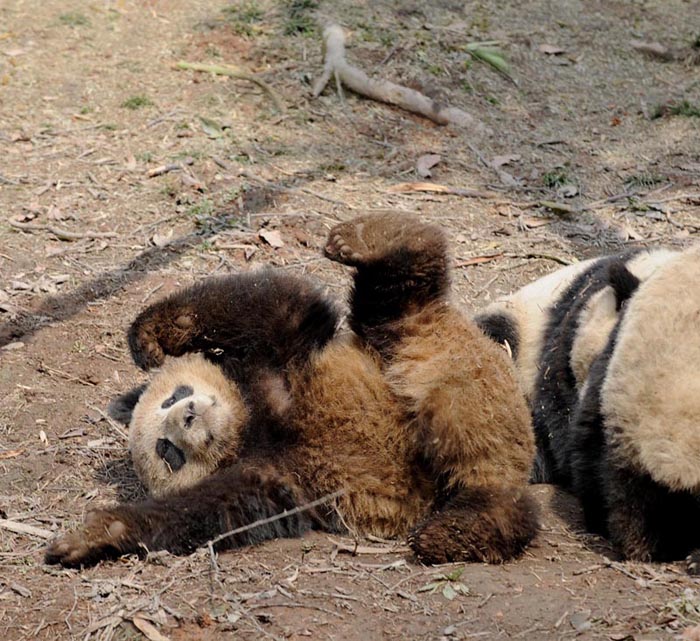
<point>148,629</point>
<point>551,50</point>
<point>161,240</point>
<point>43,438</point>
<point>425,163</point>
<point>499,161</point>
<point>508,179</point>
<point>478,260</point>
<point>272,237</point>
<point>580,621</point>
<point>402,188</point>
<point>29,215</point>
<point>532,223</point>
<point>15,345</point>
<point>54,213</point>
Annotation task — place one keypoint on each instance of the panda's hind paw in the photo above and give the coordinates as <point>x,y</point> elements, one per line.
<point>345,244</point>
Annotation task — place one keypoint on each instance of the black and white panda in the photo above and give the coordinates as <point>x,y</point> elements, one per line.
<point>633,445</point>
<point>519,320</point>
<point>555,328</point>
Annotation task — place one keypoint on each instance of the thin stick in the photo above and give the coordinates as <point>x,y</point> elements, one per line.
<point>276,517</point>
<point>62,234</point>
<point>234,72</point>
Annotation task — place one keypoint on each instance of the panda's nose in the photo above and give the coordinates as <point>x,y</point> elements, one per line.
<point>190,415</point>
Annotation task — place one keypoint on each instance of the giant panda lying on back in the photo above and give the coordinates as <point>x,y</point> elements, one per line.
<point>415,417</point>
<point>626,438</point>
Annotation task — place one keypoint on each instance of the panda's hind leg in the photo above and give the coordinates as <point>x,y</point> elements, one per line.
<point>485,524</point>
<point>401,267</point>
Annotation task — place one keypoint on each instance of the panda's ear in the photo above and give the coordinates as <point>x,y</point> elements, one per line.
<point>623,282</point>
<point>122,407</point>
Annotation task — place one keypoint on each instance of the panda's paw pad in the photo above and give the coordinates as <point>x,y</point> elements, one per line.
<point>147,350</point>
<point>345,244</point>
<point>86,544</point>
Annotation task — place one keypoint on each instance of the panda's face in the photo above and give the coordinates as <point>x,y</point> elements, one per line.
<point>189,425</point>
<point>185,425</point>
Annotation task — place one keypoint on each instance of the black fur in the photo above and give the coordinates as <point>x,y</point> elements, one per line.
<point>586,445</point>
<point>298,319</point>
<point>556,394</point>
<point>181,391</point>
<point>501,329</point>
<point>122,407</point>
<point>623,282</point>
<point>235,497</point>
<point>402,281</point>
<point>170,453</point>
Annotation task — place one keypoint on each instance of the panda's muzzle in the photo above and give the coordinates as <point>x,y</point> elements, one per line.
<point>170,453</point>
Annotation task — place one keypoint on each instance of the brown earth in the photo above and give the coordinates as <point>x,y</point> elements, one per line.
<point>90,103</point>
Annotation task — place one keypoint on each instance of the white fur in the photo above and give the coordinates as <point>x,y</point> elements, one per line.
<point>651,394</point>
<point>599,316</point>
<point>212,438</point>
<point>528,308</point>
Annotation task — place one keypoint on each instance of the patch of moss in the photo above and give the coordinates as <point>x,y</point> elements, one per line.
<point>137,102</point>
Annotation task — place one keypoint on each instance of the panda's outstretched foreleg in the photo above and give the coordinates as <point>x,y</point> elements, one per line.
<point>225,501</point>
<point>401,267</point>
<point>265,318</point>
<point>488,524</point>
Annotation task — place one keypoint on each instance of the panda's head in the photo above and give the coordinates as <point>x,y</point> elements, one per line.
<point>183,425</point>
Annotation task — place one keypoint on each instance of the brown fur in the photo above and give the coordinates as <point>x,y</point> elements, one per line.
<point>417,418</point>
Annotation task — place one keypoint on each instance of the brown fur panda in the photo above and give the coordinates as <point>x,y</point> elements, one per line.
<point>416,417</point>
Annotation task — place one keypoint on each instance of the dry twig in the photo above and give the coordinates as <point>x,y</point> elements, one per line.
<point>234,72</point>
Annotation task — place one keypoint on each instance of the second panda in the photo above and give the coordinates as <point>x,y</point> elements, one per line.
<point>616,397</point>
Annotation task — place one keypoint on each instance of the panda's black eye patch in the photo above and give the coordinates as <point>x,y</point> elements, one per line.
<point>170,453</point>
<point>181,391</point>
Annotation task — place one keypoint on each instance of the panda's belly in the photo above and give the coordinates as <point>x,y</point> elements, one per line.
<point>354,436</point>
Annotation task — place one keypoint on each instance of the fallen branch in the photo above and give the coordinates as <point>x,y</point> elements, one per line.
<point>382,90</point>
<point>234,72</point>
<point>356,549</point>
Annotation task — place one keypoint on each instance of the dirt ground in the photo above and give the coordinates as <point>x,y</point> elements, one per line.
<point>123,178</point>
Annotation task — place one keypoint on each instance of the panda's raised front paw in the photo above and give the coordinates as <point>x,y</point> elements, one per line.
<point>97,539</point>
<point>145,348</point>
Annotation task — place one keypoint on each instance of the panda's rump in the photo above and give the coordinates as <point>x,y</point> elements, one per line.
<point>651,394</point>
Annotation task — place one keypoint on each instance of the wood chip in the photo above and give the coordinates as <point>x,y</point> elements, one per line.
<point>148,629</point>
<point>22,528</point>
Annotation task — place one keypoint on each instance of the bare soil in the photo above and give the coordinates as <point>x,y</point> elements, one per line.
<point>92,228</point>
